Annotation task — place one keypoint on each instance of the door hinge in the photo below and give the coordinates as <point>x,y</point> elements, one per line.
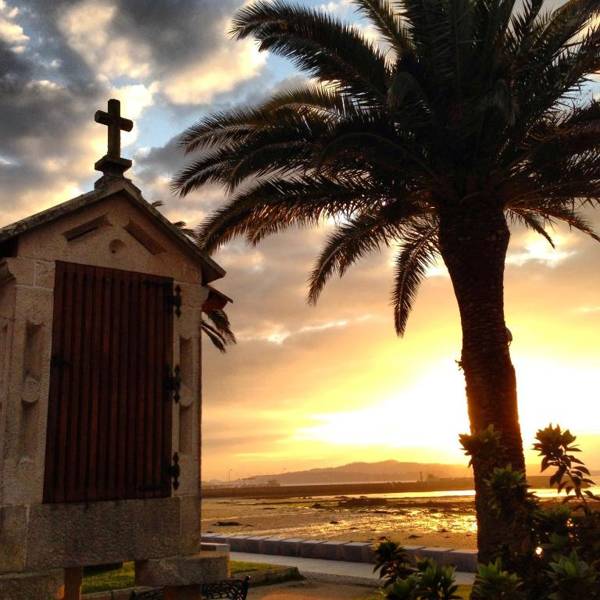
<point>173,383</point>
<point>175,471</point>
<point>174,301</point>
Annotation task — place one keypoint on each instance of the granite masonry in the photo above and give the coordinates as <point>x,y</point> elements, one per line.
<point>100,307</point>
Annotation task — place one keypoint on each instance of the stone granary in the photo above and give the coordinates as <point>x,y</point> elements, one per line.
<point>100,381</point>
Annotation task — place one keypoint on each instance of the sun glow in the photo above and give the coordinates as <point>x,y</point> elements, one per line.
<point>436,399</point>
<point>424,420</point>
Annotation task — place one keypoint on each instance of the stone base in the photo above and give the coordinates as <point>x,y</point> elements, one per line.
<point>204,567</point>
<point>40,537</point>
<point>46,585</point>
<point>191,592</point>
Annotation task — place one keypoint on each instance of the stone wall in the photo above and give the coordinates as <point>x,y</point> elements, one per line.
<point>36,536</point>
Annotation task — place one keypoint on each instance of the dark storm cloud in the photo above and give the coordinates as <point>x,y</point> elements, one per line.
<point>178,30</point>
<point>165,159</point>
<point>38,116</point>
<point>14,70</point>
<point>48,113</point>
<point>48,92</point>
<point>48,50</point>
<point>175,31</point>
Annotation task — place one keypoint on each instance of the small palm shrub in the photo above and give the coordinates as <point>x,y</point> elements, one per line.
<point>426,581</point>
<point>559,553</point>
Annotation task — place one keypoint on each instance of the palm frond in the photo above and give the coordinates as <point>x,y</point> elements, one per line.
<point>317,44</point>
<point>381,13</point>
<point>224,127</point>
<point>284,146</point>
<point>322,99</point>
<point>221,324</point>
<point>476,99</point>
<point>214,336</point>
<point>418,251</point>
<point>571,217</point>
<point>277,204</point>
<point>361,235</point>
<point>532,222</point>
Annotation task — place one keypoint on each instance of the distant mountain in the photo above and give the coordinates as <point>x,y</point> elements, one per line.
<point>363,472</point>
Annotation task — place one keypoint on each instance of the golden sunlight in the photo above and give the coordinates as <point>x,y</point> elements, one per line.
<point>424,420</point>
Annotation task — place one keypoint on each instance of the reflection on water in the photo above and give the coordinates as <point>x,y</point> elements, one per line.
<point>540,492</point>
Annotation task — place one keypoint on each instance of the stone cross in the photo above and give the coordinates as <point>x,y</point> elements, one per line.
<point>115,123</point>
<point>112,165</point>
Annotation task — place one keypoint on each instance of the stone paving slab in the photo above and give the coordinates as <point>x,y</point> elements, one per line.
<point>331,570</point>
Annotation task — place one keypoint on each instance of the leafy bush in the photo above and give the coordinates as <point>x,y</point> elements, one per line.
<point>402,581</point>
<point>494,582</point>
<point>559,558</point>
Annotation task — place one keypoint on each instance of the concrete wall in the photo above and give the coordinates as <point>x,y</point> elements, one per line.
<point>34,536</point>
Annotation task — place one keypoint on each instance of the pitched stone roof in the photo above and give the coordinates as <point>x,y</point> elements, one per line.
<point>210,269</point>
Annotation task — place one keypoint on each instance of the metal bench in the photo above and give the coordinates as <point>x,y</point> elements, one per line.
<point>228,589</point>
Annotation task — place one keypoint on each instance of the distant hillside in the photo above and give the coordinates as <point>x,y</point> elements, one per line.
<point>362,472</point>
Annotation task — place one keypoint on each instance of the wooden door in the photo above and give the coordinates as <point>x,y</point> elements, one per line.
<point>109,413</point>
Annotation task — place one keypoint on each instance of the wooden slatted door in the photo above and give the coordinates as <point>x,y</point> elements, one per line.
<point>109,413</point>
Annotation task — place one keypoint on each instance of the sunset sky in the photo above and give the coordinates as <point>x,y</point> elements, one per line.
<point>305,386</point>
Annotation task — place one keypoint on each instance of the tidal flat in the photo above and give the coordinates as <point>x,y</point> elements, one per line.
<point>427,521</point>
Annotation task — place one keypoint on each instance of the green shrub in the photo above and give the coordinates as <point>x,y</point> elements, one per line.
<point>402,581</point>
<point>493,581</point>
<point>559,558</point>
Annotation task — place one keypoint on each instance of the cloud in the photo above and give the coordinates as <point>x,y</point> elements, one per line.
<point>182,44</point>
<point>87,27</point>
<point>220,72</point>
<point>11,32</point>
<point>588,310</point>
<point>60,61</point>
<point>534,248</point>
<point>47,137</point>
<point>170,62</point>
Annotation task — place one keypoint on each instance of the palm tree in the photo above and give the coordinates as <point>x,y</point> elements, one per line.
<point>214,323</point>
<point>217,328</point>
<point>466,117</point>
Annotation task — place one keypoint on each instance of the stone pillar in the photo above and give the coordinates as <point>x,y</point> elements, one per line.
<point>181,576</point>
<point>188,592</point>
<point>73,579</point>
<point>44,585</point>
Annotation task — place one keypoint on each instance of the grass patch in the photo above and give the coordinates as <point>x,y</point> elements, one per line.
<point>241,566</point>
<point>114,579</point>
<point>117,579</point>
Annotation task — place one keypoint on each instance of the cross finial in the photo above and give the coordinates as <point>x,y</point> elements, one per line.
<point>113,165</point>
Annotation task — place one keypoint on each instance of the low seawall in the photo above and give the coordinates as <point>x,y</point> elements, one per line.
<point>343,489</point>
<point>361,552</point>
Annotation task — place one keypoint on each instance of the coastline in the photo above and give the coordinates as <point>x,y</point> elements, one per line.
<point>443,518</point>
<point>346,489</point>
<point>441,522</point>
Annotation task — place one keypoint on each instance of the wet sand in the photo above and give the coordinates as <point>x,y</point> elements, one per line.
<point>442,522</point>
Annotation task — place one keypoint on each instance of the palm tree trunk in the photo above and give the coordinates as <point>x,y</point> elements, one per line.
<point>473,244</point>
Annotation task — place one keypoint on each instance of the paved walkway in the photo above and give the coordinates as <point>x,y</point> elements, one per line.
<point>312,590</point>
<point>332,570</point>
